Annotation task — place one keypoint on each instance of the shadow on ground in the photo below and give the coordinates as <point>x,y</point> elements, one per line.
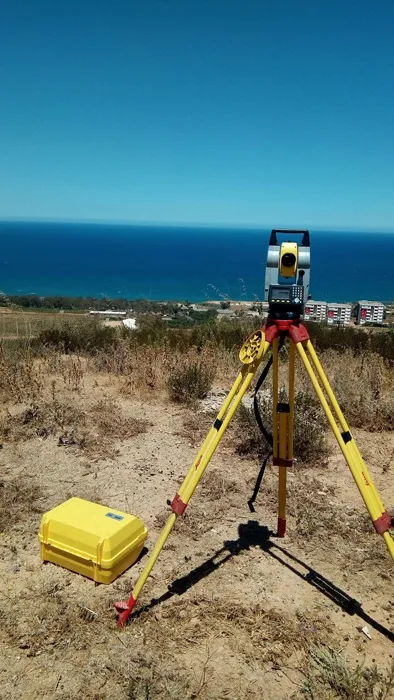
<point>252,534</point>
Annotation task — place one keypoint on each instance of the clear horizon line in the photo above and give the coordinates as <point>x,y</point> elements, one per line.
<point>197,225</point>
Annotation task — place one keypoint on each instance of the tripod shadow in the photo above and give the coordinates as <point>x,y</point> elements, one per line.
<point>251,534</point>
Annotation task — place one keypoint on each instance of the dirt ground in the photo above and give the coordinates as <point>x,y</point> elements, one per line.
<point>244,609</point>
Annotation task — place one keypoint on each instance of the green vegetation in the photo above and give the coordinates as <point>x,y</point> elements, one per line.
<point>51,303</point>
<point>358,340</point>
<point>184,320</point>
<point>85,335</point>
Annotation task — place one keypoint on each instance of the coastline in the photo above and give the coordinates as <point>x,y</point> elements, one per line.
<point>61,301</point>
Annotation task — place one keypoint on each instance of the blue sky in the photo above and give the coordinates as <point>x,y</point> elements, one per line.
<point>201,111</point>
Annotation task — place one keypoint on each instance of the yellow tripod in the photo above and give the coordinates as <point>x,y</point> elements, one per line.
<point>251,356</point>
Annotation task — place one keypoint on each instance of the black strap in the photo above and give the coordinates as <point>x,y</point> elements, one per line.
<point>261,379</point>
<point>268,436</point>
<point>258,483</point>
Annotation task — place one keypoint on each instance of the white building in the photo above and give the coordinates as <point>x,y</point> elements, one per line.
<point>370,312</point>
<point>108,314</point>
<point>315,311</point>
<point>130,323</point>
<point>339,314</point>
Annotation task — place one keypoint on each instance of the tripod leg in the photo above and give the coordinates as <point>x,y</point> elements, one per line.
<point>275,397</point>
<point>252,362</point>
<point>283,428</point>
<point>378,514</point>
<point>291,397</point>
<point>345,428</point>
<point>283,457</point>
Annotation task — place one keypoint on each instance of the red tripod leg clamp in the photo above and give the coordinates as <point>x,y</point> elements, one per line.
<point>298,334</point>
<point>124,608</point>
<point>270,331</point>
<point>282,462</point>
<point>178,506</point>
<point>383,523</point>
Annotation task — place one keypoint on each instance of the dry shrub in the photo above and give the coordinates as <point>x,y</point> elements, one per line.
<point>18,501</point>
<point>77,335</point>
<point>310,442</point>
<point>142,368</point>
<point>196,425</point>
<point>330,676</point>
<point>72,372</point>
<point>148,367</point>
<point>20,377</point>
<point>364,387</point>
<point>109,421</point>
<point>191,379</point>
<point>43,420</point>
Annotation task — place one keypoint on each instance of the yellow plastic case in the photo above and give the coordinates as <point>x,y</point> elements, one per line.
<point>91,539</point>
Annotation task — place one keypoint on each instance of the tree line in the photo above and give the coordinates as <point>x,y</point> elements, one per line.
<point>33,301</point>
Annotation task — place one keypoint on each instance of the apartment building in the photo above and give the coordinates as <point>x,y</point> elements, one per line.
<point>315,311</point>
<point>339,314</point>
<point>370,312</point>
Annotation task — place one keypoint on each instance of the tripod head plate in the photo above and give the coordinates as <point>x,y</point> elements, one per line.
<point>252,348</point>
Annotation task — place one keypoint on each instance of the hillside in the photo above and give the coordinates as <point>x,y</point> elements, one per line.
<point>92,412</point>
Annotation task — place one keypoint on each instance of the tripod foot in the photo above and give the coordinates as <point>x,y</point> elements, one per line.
<point>281,527</point>
<point>124,609</point>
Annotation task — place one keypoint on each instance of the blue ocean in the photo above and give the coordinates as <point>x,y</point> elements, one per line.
<point>182,263</point>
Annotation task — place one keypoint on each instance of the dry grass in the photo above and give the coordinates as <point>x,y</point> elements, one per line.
<point>95,432</point>
<point>138,368</point>
<point>19,501</point>
<point>46,620</point>
<point>364,387</point>
<point>191,380</point>
<point>214,497</point>
<point>55,624</point>
<point>195,425</point>
<point>216,485</point>
<point>330,676</point>
<point>364,384</point>
<point>110,423</point>
<point>263,634</point>
<point>20,378</point>
<point>23,324</point>
<point>318,513</point>
<point>60,400</point>
<point>148,369</point>
<point>310,445</point>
